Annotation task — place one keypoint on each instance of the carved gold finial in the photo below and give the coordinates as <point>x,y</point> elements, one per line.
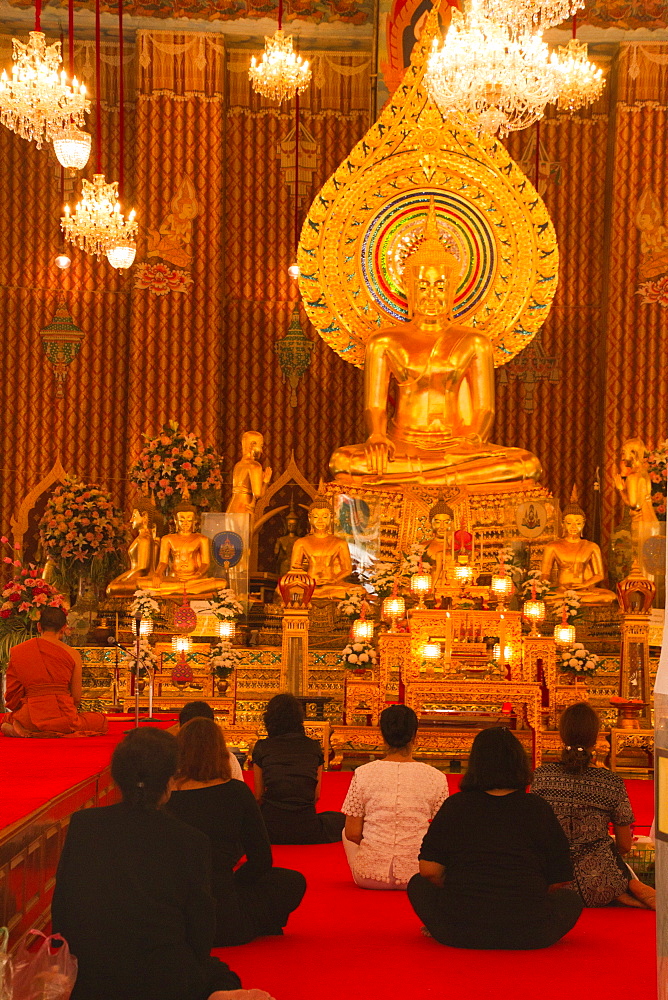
<point>430,250</point>
<point>573,507</point>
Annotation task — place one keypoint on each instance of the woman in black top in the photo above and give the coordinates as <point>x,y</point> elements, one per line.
<point>256,899</point>
<point>133,896</point>
<point>495,860</point>
<point>288,771</point>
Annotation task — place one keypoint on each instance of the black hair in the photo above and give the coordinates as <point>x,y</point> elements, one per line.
<point>497,760</point>
<point>142,765</point>
<point>195,710</point>
<point>578,727</point>
<point>398,724</point>
<point>284,714</point>
<point>52,619</point>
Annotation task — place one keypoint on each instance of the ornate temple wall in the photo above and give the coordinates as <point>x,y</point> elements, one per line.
<point>198,141</point>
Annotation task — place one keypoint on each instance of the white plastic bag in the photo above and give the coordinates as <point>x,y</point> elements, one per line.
<point>43,970</point>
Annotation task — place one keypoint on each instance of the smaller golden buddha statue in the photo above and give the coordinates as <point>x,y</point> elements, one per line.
<point>323,555</point>
<point>439,551</point>
<point>635,486</point>
<point>249,479</point>
<point>286,543</point>
<point>185,557</point>
<point>142,552</point>
<point>576,562</point>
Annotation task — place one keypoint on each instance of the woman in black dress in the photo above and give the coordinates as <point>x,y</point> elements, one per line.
<point>256,899</point>
<point>495,860</point>
<point>288,771</point>
<point>133,897</point>
<point>586,800</point>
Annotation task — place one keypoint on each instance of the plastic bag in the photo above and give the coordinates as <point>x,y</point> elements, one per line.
<point>5,966</point>
<point>43,970</point>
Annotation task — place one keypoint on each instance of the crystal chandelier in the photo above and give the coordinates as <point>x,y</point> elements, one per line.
<point>37,102</point>
<point>517,13</point>
<point>97,225</point>
<point>580,81</point>
<point>500,78</point>
<point>280,72</point>
<point>72,147</point>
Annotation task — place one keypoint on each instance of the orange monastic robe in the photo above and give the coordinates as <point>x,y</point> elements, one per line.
<point>38,693</point>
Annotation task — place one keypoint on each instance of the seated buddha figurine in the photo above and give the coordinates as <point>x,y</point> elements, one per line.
<point>576,562</point>
<point>323,555</point>
<point>438,434</point>
<point>438,553</point>
<point>185,557</point>
<point>142,552</point>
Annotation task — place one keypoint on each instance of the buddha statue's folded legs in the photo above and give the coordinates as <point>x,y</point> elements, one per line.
<point>463,463</point>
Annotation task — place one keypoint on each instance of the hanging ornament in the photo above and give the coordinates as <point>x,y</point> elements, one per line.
<point>280,73</point>
<point>61,341</point>
<point>294,353</point>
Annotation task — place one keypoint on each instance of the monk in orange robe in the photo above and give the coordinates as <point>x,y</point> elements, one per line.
<point>44,686</point>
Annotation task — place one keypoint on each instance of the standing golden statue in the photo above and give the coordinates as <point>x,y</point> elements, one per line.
<point>635,486</point>
<point>445,379</point>
<point>142,552</point>
<point>323,555</point>
<point>575,561</point>
<point>185,557</point>
<point>249,479</point>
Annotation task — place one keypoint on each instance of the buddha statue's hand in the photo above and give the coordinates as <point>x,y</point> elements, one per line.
<point>266,477</point>
<point>379,450</point>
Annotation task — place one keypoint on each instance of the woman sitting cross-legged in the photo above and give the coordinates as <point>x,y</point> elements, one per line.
<point>389,805</point>
<point>494,861</point>
<point>288,770</point>
<point>133,896</point>
<point>586,800</point>
<point>256,899</point>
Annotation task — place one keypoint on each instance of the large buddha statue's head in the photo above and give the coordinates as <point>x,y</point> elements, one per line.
<point>430,273</point>
<point>184,518</point>
<point>573,517</point>
<point>320,514</point>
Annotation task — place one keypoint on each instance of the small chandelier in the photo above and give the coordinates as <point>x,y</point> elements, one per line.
<point>72,147</point>
<point>421,584</point>
<point>37,102</point>
<point>393,608</point>
<point>227,629</point>
<point>431,650</point>
<point>507,652</point>
<point>500,78</point>
<point>280,72</point>
<point>580,81</point>
<point>362,628</point>
<point>97,225</point>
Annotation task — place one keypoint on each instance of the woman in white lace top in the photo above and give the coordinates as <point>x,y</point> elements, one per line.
<point>388,807</point>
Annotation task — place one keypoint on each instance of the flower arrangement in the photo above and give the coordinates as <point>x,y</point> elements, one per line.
<point>578,660</point>
<point>144,605</point>
<point>23,597</point>
<point>535,587</point>
<point>224,604</point>
<point>176,467</point>
<point>351,605</point>
<point>571,605</point>
<point>81,531</point>
<point>411,562</point>
<point>359,656</point>
<point>381,578</point>
<point>223,659</point>
<point>147,659</point>
<point>657,462</point>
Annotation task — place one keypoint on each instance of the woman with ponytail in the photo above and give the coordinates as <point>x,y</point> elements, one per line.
<point>586,800</point>
<point>133,897</point>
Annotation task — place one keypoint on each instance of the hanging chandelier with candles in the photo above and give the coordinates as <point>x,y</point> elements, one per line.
<point>501,78</point>
<point>97,223</point>
<point>545,13</point>
<point>71,144</point>
<point>36,101</point>
<point>280,73</point>
<point>580,81</point>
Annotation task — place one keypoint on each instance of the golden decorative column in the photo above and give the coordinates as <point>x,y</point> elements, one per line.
<point>539,665</point>
<point>636,594</point>
<point>294,651</point>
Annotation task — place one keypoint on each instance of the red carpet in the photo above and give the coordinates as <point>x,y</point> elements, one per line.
<point>345,943</point>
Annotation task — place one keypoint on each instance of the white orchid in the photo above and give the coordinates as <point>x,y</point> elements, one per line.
<point>358,654</point>
<point>576,659</point>
<point>144,605</point>
<point>225,604</point>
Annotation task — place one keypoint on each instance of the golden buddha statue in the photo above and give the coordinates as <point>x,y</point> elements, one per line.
<point>323,555</point>
<point>439,550</point>
<point>576,561</point>
<point>249,479</point>
<point>445,379</point>
<point>142,552</point>
<point>635,486</point>
<point>286,543</point>
<point>185,557</point>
